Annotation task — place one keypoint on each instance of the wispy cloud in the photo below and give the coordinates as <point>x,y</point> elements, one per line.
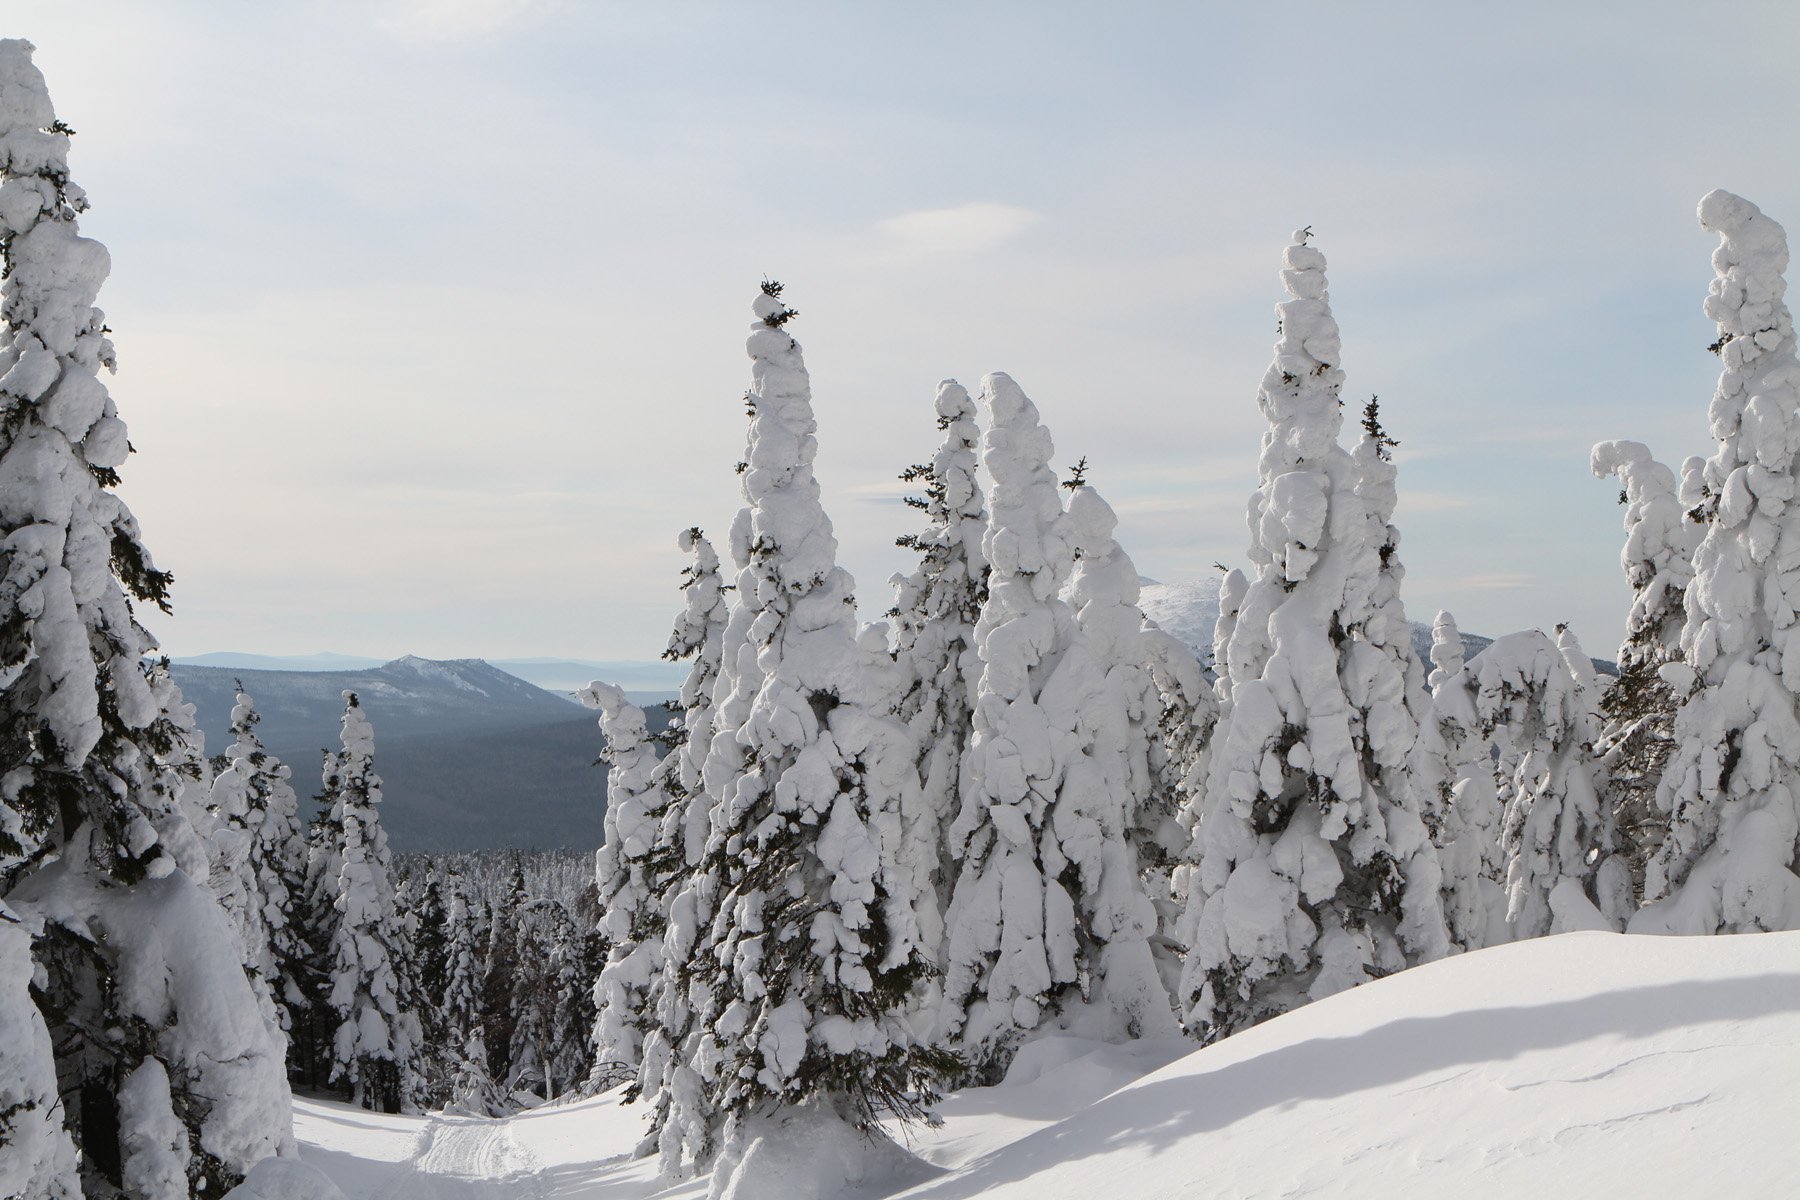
<point>965,229</point>
<point>1492,583</point>
<point>459,20</point>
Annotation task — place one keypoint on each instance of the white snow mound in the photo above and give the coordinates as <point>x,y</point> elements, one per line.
<point>1588,1064</point>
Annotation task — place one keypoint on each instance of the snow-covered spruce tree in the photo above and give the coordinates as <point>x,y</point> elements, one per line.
<point>934,615</point>
<point>1109,820</point>
<point>1055,773</point>
<point>257,827</point>
<point>1731,788</point>
<point>376,1047</point>
<point>463,1052</point>
<point>501,973</point>
<point>808,969</point>
<point>671,1036</point>
<point>181,783</point>
<point>632,914</point>
<point>1187,711</point>
<point>314,1029</point>
<point>698,639</point>
<point>1638,710</point>
<point>1405,756</point>
<point>464,936</point>
<point>428,939</point>
<point>552,1007</point>
<point>1309,828</point>
<point>1555,837</point>
<point>1010,943</point>
<point>1468,828</point>
<point>133,967</point>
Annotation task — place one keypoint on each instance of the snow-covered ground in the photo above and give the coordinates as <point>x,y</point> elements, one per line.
<point>1588,1064</point>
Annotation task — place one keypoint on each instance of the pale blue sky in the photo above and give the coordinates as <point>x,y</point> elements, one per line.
<point>431,314</point>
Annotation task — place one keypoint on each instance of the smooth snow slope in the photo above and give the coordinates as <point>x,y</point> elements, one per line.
<point>1583,1065</point>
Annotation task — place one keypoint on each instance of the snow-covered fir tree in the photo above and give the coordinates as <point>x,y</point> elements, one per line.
<point>806,973</point>
<point>257,826</point>
<point>1638,710</point>
<point>1049,905</point>
<point>1405,760</point>
<point>1187,711</point>
<point>500,974</point>
<point>631,891</point>
<point>1470,816</point>
<point>463,1053</point>
<point>671,1035</point>
<point>552,1006</point>
<point>428,953</point>
<point>1009,950</point>
<point>152,1023</point>
<point>1110,821</point>
<point>697,639</point>
<point>314,1024</point>
<point>934,615</point>
<point>465,935</point>
<point>181,782</point>
<point>1313,867</point>
<point>1556,848</point>
<point>376,1046</point>
<point>1731,789</point>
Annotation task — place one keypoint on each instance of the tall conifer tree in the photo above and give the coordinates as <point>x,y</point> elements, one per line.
<point>809,966</point>
<point>134,969</point>
<point>1731,789</point>
<point>1310,844</point>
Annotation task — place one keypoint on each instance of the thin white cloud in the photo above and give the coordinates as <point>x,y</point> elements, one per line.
<point>1490,583</point>
<point>459,20</point>
<point>965,229</point>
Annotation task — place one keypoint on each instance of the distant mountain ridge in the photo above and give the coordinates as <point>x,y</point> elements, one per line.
<point>471,756</point>
<point>556,674</point>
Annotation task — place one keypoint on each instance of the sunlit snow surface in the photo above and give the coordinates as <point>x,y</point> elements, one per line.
<point>1588,1064</point>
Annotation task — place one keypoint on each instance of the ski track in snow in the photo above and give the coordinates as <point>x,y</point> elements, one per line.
<point>466,1159</point>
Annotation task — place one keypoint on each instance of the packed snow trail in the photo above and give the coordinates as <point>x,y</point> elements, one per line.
<point>446,1158</point>
<point>467,1159</point>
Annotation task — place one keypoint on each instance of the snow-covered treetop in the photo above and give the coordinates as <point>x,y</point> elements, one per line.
<point>1299,397</point>
<point>947,584</point>
<point>358,735</point>
<point>1659,549</point>
<point>1748,483</point>
<point>631,756</point>
<point>1104,589</point>
<point>1522,682</point>
<point>1381,572</point>
<point>788,527</point>
<point>701,625</point>
<point>1446,649</point>
<point>1027,540</point>
<point>958,497</point>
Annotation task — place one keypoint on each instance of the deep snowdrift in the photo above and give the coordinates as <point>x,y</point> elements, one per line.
<point>1587,1064</point>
